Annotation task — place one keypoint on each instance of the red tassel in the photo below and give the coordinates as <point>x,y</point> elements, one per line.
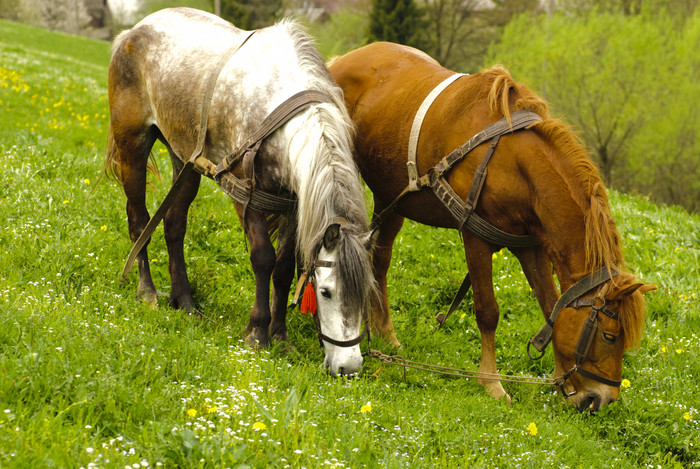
<point>308,301</point>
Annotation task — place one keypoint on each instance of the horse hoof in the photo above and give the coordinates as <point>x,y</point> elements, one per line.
<point>256,343</point>
<point>150,297</point>
<point>495,390</point>
<point>285,346</point>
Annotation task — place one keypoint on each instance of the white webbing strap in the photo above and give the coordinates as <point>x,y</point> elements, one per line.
<point>415,129</point>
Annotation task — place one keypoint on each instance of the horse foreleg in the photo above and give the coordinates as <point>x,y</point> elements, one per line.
<point>175,227</point>
<point>538,270</point>
<point>262,259</point>
<point>282,276</point>
<point>380,317</point>
<point>485,309</point>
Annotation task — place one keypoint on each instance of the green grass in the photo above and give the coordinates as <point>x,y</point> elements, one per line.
<point>89,375</point>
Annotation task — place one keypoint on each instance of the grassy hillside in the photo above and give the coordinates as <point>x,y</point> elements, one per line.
<point>89,376</point>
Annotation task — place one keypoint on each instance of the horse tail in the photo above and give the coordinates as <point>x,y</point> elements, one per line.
<point>112,165</point>
<point>112,168</point>
<point>506,95</point>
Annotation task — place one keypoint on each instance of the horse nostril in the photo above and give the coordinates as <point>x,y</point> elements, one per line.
<point>585,403</point>
<point>592,402</point>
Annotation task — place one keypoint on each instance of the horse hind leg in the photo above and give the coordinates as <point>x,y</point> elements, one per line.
<point>175,228</point>
<point>130,146</point>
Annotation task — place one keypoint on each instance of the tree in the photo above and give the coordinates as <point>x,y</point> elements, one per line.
<point>628,83</point>
<point>251,14</point>
<point>395,21</point>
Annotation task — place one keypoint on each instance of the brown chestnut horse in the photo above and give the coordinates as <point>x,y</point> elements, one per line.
<point>540,182</point>
<point>158,75</point>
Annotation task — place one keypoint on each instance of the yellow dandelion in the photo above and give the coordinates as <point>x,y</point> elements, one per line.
<point>192,413</point>
<point>625,383</point>
<point>464,315</point>
<point>367,408</point>
<point>679,351</point>
<point>66,201</point>
<point>531,429</point>
<point>257,426</point>
<point>86,181</point>
<point>212,409</point>
<point>687,416</point>
<point>494,255</point>
<point>103,227</point>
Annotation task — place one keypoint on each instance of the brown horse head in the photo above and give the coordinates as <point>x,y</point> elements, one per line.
<point>617,311</point>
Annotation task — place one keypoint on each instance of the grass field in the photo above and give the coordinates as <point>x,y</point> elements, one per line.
<point>90,377</point>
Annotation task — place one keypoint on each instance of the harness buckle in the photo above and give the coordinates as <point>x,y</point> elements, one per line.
<point>412,176</point>
<point>541,340</point>
<point>561,381</point>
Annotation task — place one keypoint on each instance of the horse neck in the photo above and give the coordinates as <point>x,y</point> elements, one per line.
<point>577,230</point>
<point>563,237</point>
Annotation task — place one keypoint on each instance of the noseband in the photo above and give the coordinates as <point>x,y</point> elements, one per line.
<point>317,320</point>
<point>571,298</point>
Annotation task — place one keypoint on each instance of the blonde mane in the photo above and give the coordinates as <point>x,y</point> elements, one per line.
<point>328,186</point>
<point>603,246</point>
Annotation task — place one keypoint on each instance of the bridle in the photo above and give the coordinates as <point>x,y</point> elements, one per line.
<point>311,279</point>
<point>571,298</point>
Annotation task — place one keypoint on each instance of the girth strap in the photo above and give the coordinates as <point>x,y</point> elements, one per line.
<point>189,165</point>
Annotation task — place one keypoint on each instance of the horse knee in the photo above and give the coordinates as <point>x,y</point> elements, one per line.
<point>262,258</point>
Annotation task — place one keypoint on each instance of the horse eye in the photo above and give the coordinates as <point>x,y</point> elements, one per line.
<point>326,293</point>
<point>609,338</point>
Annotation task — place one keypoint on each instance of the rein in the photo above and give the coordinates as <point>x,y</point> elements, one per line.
<point>570,298</point>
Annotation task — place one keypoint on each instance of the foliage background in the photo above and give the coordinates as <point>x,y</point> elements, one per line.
<point>89,377</point>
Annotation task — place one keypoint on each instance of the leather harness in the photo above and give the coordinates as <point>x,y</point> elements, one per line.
<point>464,214</point>
<point>240,190</point>
<point>463,211</point>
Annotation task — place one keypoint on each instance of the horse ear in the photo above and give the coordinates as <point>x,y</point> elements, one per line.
<point>330,238</point>
<point>619,291</point>
<point>370,239</point>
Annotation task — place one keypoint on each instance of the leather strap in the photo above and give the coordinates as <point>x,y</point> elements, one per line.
<point>189,165</point>
<point>416,127</point>
<point>518,120</point>
<point>459,296</point>
<point>586,284</point>
<point>601,379</point>
<point>585,338</point>
<point>276,119</point>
